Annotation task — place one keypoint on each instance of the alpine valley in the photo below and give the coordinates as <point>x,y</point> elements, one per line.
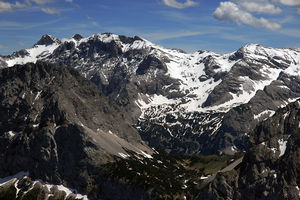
<point>118,117</point>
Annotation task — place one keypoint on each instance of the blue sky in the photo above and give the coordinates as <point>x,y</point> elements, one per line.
<point>221,26</point>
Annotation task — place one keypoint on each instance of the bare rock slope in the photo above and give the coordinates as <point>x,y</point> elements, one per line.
<point>58,127</point>
<point>271,167</point>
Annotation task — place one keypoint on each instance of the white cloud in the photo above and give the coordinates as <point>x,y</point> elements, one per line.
<point>69,1</point>
<point>20,5</point>
<point>176,4</point>
<point>42,1</point>
<point>2,46</point>
<point>50,11</point>
<point>290,2</point>
<point>293,3</point>
<point>228,11</point>
<point>259,6</point>
<point>6,6</point>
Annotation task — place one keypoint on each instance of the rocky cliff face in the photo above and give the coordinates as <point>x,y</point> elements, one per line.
<point>56,125</point>
<point>200,103</point>
<point>270,168</point>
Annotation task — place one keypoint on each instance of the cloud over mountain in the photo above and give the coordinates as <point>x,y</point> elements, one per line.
<point>231,12</point>
<point>176,4</point>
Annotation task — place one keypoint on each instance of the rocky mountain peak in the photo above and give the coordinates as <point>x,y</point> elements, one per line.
<point>122,41</point>
<point>77,37</point>
<point>251,47</point>
<point>48,40</point>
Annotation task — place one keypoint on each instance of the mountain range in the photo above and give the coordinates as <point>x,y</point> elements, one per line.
<point>200,103</point>
<point>68,107</point>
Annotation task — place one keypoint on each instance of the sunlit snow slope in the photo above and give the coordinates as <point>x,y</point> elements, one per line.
<point>186,103</point>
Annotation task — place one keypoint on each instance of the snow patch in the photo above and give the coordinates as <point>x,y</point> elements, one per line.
<point>274,150</point>
<point>123,155</point>
<point>267,113</point>
<point>282,147</point>
<point>285,115</point>
<point>8,179</point>
<point>284,87</point>
<point>111,133</point>
<point>233,148</point>
<point>146,155</point>
<point>16,186</point>
<point>35,53</point>
<point>290,100</point>
<point>12,133</point>
<point>204,177</point>
<point>68,191</point>
<point>38,95</point>
<point>293,70</point>
<point>65,189</point>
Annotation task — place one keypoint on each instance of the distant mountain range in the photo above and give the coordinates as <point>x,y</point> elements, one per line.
<point>200,103</point>
<point>71,107</point>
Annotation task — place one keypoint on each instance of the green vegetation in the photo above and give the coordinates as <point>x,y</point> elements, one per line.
<point>164,176</point>
<point>211,164</point>
<point>167,176</point>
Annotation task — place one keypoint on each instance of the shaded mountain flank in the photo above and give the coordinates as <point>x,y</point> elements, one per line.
<point>270,168</point>
<point>56,126</point>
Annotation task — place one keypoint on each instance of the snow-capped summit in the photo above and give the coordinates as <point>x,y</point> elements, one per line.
<point>279,54</point>
<point>42,49</point>
<point>209,98</point>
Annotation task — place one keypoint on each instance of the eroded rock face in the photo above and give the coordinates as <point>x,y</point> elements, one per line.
<point>56,125</point>
<point>151,62</point>
<point>47,40</point>
<point>271,167</point>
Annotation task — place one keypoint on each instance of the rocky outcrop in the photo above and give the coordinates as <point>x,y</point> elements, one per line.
<point>47,40</point>
<point>150,62</point>
<point>77,37</point>
<point>2,63</point>
<point>58,126</point>
<point>270,168</point>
